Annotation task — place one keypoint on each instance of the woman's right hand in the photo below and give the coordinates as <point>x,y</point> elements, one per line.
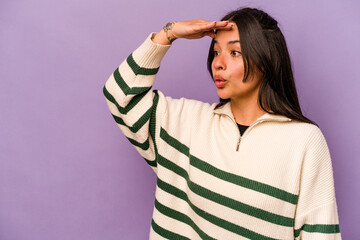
<point>193,29</point>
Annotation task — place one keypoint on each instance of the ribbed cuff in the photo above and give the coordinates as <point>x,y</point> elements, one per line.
<point>150,54</point>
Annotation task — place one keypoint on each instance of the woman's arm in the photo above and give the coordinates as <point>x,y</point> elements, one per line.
<point>189,29</point>
<point>136,108</point>
<point>316,213</point>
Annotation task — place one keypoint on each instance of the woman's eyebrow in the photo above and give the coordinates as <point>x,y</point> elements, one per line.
<point>230,42</point>
<point>233,42</point>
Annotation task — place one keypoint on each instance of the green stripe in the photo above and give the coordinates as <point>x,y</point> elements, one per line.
<point>226,201</point>
<point>244,182</point>
<point>209,217</point>
<point>174,142</point>
<point>138,124</point>
<point>152,124</point>
<point>143,146</point>
<point>318,228</point>
<point>152,163</point>
<point>180,217</point>
<point>226,176</point>
<point>149,114</point>
<point>165,233</point>
<point>133,102</point>
<point>152,127</point>
<point>125,88</point>
<point>139,70</point>
<point>138,90</point>
<point>120,81</point>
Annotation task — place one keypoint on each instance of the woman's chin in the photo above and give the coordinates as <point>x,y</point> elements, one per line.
<point>222,94</point>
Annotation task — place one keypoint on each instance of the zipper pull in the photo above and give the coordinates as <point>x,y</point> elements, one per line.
<point>238,144</point>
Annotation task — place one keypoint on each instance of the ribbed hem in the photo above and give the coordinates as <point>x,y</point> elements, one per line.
<point>150,54</point>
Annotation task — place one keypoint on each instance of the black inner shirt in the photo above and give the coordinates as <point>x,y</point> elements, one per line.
<point>242,128</point>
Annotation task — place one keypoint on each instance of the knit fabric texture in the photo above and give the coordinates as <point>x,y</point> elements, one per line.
<point>274,182</point>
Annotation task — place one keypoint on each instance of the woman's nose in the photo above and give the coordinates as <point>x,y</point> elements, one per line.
<point>219,62</point>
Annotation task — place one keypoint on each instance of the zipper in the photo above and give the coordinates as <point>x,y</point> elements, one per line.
<point>246,131</point>
<point>238,144</point>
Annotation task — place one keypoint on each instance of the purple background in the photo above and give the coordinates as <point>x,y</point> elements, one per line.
<point>67,171</point>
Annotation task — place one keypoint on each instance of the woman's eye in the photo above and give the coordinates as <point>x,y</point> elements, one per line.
<point>216,53</point>
<point>235,53</point>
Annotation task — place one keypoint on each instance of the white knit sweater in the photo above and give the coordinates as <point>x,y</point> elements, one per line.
<point>276,183</point>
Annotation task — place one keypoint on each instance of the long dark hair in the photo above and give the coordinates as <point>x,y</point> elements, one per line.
<point>263,47</point>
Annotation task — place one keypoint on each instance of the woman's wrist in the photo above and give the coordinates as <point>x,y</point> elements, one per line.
<point>165,36</point>
<point>168,30</point>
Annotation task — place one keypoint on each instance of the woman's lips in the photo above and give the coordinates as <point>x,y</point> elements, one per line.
<point>219,82</point>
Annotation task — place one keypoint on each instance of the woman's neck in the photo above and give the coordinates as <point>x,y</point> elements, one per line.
<point>246,111</point>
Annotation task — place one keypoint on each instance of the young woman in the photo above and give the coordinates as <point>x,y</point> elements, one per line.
<point>249,167</point>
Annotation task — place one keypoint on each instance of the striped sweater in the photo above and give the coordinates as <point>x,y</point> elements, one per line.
<point>273,182</point>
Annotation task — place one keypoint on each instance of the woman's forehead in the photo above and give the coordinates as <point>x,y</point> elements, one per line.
<point>227,36</point>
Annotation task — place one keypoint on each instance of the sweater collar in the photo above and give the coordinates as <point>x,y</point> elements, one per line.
<point>226,110</point>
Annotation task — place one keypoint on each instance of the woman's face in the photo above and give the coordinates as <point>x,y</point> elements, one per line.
<point>228,68</point>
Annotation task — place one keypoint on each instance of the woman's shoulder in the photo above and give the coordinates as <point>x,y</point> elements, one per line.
<point>188,105</point>
<point>305,127</point>
<point>309,132</point>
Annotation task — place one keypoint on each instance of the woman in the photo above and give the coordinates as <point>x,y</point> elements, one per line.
<point>249,167</point>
